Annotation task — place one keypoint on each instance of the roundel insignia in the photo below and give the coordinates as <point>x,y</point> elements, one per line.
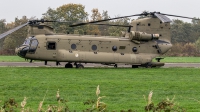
<point>76,55</point>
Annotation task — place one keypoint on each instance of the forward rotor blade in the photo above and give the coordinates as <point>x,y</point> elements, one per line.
<point>179,16</point>
<point>12,30</point>
<point>54,21</point>
<point>80,24</point>
<point>64,21</point>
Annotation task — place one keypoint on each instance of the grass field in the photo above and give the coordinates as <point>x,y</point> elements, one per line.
<point>166,59</point>
<point>11,59</point>
<point>123,87</point>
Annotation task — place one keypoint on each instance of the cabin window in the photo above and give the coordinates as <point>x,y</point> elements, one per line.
<point>134,49</point>
<point>51,45</point>
<point>94,47</point>
<point>114,48</point>
<point>40,27</point>
<point>73,46</point>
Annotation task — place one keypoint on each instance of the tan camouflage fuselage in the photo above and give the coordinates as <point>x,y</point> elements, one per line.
<point>149,38</point>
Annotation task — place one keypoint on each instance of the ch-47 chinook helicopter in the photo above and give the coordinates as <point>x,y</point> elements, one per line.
<point>146,39</point>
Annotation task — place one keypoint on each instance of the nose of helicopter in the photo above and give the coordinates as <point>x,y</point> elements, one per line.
<point>21,51</point>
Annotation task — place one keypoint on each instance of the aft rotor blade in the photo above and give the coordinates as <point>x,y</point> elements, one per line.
<point>114,25</point>
<point>80,24</point>
<point>163,18</point>
<point>12,30</point>
<point>179,16</point>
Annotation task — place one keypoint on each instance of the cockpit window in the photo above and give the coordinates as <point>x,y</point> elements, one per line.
<point>26,42</point>
<point>33,46</point>
<point>32,43</point>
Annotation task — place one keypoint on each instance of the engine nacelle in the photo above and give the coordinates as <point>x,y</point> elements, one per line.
<point>134,35</point>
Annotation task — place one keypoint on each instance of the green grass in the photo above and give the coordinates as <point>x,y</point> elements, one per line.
<point>11,59</point>
<point>123,87</point>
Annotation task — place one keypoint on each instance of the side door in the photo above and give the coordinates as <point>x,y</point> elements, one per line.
<point>52,48</point>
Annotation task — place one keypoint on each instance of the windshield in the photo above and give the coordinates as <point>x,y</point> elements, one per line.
<point>27,41</point>
<point>32,42</point>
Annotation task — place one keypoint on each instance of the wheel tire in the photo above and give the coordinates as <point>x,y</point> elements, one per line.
<point>68,66</point>
<point>115,65</point>
<point>135,66</point>
<point>79,66</point>
<point>148,65</point>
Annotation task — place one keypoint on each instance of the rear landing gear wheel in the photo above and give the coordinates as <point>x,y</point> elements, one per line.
<point>115,65</point>
<point>135,66</point>
<point>79,66</point>
<point>149,65</point>
<point>68,65</point>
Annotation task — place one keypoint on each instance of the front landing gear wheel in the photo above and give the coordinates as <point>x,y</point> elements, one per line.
<point>115,65</point>
<point>79,66</point>
<point>68,65</point>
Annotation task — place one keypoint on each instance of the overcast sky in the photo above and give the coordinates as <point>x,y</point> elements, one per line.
<point>10,9</point>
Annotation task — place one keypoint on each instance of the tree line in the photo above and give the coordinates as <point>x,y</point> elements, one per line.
<point>185,36</point>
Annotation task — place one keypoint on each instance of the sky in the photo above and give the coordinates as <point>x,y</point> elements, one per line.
<point>10,9</point>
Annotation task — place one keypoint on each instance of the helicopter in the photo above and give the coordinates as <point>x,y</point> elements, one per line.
<point>146,38</point>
